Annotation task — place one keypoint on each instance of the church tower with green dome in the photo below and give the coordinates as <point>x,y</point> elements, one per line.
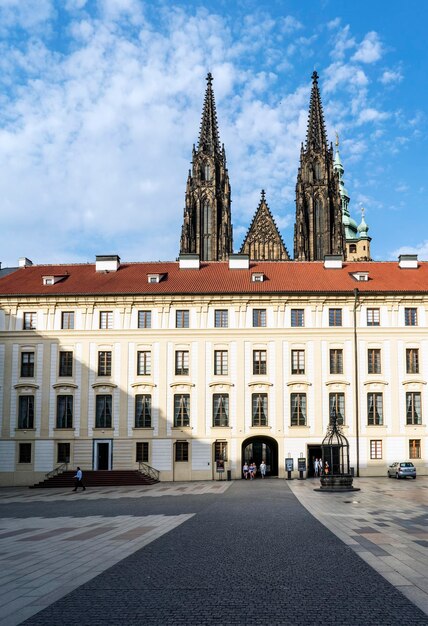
<point>357,241</point>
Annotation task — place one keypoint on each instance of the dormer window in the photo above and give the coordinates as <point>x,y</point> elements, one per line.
<point>257,277</point>
<point>360,276</point>
<point>155,278</point>
<point>53,279</point>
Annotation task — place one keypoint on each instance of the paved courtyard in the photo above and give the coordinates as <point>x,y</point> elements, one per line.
<point>256,553</point>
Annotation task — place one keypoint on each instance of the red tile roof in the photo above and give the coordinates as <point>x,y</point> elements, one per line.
<point>216,278</point>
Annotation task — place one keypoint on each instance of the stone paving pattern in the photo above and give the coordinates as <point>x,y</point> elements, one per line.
<point>249,554</point>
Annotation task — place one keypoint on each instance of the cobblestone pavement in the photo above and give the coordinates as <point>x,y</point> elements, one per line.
<point>250,554</point>
<point>386,523</point>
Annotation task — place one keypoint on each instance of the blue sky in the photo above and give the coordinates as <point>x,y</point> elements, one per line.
<point>100,103</point>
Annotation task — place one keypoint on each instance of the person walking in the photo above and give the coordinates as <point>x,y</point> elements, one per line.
<point>252,470</point>
<point>316,467</point>
<point>79,481</point>
<point>262,469</point>
<point>245,470</point>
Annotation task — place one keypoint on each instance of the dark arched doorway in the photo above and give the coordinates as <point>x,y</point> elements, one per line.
<point>260,449</point>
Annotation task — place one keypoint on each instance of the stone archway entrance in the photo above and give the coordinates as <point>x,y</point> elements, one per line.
<point>261,448</point>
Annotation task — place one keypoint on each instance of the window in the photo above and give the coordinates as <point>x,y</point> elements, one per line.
<point>260,409</point>
<point>336,361</point>
<point>410,317</point>
<point>27,364</point>
<point>30,321</point>
<point>24,453</point>
<point>182,319</point>
<point>221,362</point>
<point>373,317</point>
<point>182,362</point>
<point>182,451</point>
<point>221,409</point>
<point>375,409</point>
<point>413,408</point>
<point>143,411</point>
<point>106,320</point>
<point>298,409</point>
<point>182,409</point>
<point>220,451</point>
<point>414,449</point>
<point>142,452</point>
<point>67,320</point>
<point>144,319</point>
<point>352,247</point>
<point>104,363</point>
<point>337,406</point>
<point>259,317</point>
<point>373,358</point>
<point>26,412</point>
<point>335,317</point>
<point>375,448</point>
<point>63,453</point>
<point>144,363</point>
<point>297,361</point>
<point>297,317</point>
<point>66,363</point>
<point>64,412</point>
<point>259,362</point>
<point>412,361</point>
<point>103,416</point>
<point>221,318</point>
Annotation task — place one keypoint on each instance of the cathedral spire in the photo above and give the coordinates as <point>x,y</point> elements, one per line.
<point>318,229</point>
<point>208,136</point>
<point>315,134</point>
<point>207,227</point>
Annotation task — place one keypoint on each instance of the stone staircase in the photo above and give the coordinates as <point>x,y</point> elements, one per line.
<point>100,478</point>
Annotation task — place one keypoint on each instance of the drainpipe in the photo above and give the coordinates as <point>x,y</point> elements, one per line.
<point>357,412</point>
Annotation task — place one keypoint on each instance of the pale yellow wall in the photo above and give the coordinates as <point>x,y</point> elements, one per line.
<point>240,339</point>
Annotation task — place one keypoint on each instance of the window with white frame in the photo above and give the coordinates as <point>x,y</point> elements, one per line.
<point>297,317</point>
<point>221,361</point>
<point>336,361</point>
<point>259,362</point>
<point>104,363</point>
<point>221,318</point>
<point>27,364</point>
<point>410,316</point>
<point>182,362</point>
<point>337,406</point>
<point>144,363</point>
<point>297,361</point>
<point>103,411</point>
<point>413,408</point>
<point>64,411</point>
<point>373,317</point>
<point>414,448</point>
<point>30,320</point>
<point>374,361</point>
<point>181,409</point>
<point>143,411</point>
<point>26,412</point>
<point>412,361</point>
<point>298,409</point>
<point>106,320</point>
<point>142,452</point>
<point>260,409</point>
<point>144,319</point>
<point>67,320</point>
<point>375,409</point>
<point>221,409</point>
<point>259,317</point>
<point>182,319</point>
<point>376,448</point>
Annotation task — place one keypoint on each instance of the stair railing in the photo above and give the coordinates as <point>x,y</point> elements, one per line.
<point>57,470</point>
<point>148,470</point>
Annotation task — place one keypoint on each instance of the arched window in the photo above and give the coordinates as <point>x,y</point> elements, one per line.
<point>206,230</point>
<point>206,171</point>
<point>352,247</point>
<point>318,229</point>
<point>317,170</point>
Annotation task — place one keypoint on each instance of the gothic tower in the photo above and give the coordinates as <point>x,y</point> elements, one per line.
<point>263,241</point>
<point>318,229</point>
<point>207,227</point>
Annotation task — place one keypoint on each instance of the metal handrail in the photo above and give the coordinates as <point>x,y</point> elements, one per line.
<point>57,470</point>
<point>148,470</point>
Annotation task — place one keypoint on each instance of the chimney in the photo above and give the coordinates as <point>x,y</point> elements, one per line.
<point>24,262</point>
<point>107,262</point>
<point>239,262</point>
<point>189,261</point>
<point>333,262</point>
<point>408,261</point>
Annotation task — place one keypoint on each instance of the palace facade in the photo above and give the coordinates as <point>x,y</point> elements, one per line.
<point>219,356</point>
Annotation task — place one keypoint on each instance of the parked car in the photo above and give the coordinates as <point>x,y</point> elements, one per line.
<point>402,470</point>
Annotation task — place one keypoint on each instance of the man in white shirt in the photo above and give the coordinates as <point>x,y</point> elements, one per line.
<point>78,477</point>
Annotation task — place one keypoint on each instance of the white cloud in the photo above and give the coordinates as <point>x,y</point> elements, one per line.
<point>25,14</point>
<point>371,115</point>
<point>391,76</point>
<point>402,188</point>
<point>342,43</point>
<point>421,249</point>
<point>289,24</point>
<point>370,49</point>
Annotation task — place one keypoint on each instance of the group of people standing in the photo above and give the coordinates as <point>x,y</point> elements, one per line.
<point>319,469</point>
<point>250,470</point>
